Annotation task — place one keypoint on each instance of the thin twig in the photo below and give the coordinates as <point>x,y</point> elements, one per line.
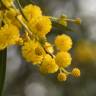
<point>20,9</point>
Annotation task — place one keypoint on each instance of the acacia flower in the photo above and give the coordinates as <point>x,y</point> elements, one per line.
<point>62,76</point>
<point>32,52</point>
<point>32,11</point>
<point>33,39</point>
<point>63,42</point>
<point>63,59</point>
<point>10,17</point>
<point>9,35</point>
<point>40,26</point>
<point>76,72</point>
<point>48,65</point>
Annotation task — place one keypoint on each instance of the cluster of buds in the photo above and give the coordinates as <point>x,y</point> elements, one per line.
<point>49,58</point>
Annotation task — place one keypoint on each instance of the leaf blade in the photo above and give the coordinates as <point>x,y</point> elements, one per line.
<point>3,55</point>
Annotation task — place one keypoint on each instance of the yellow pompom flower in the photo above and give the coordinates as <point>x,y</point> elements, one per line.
<point>10,17</point>
<point>63,42</point>
<point>9,35</point>
<point>41,26</point>
<point>48,47</point>
<point>32,11</point>
<point>7,3</point>
<point>48,65</point>
<point>32,52</point>
<point>63,59</point>
<point>62,76</point>
<point>76,72</point>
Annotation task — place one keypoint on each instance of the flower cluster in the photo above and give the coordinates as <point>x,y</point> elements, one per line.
<point>50,58</point>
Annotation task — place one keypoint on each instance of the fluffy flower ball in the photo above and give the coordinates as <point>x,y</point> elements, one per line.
<point>9,35</point>
<point>48,65</point>
<point>32,52</point>
<point>63,42</point>
<point>32,11</point>
<point>76,72</point>
<point>41,26</point>
<point>62,77</point>
<point>63,59</point>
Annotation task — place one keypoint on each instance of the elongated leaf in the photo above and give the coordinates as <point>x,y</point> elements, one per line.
<point>2,69</point>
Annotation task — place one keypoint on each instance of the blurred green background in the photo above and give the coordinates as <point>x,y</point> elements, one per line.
<point>23,79</point>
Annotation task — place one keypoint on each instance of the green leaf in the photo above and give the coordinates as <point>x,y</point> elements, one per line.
<point>3,55</point>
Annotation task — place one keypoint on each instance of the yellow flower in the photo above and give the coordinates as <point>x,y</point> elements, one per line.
<point>9,35</point>
<point>10,17</point>
<point>7,3</point>
<point>63,42</point>
<point>48,47</point>
<point>32,11</point>
<point>63,59</point>
<point>76,72</point>
<point>48,65</point>
<point>62,76</point>
<point>41,26</point>
<point>32,52</point>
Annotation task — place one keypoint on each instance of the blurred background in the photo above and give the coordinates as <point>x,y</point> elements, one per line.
<point>23,79</point>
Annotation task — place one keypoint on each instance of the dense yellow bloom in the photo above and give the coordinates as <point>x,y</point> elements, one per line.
<point>35,48</point>
<point>76,72</point>
<point>7,3</point>
<point>63,42</point>
<point>63,59</point>
<point>10,17</point>
<point>62,76</point>
<point>32,11</point>
<point>48,47</point>
<point>9,35</point>
<point>41,26</point>
<point>48,65</point>
<point>32,52</point>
